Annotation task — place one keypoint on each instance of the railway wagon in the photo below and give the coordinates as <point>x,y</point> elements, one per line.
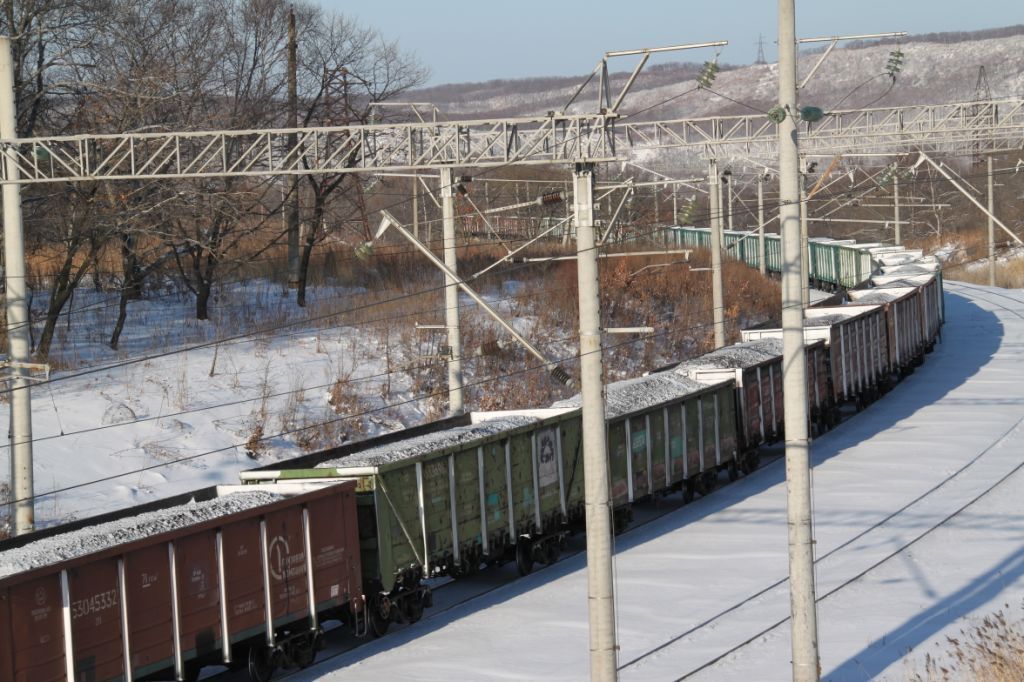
<point>933,306</point>
<point>667,432</point>
<point>446,501</point>
<point>904,324</point>
<point>756,369</point>
<point>839,263</point>
<point>857,348</point>
<point>509,486</point>
<point>232,576</point>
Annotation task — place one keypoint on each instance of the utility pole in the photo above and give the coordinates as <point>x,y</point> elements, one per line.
<point>798,473</point>
<point>451,294</point>
<point>896,206</point>
<point>805,244</point>
<point>22,508</point>
<point>293,141</point>
<point>597,502</point>
<point>727,177</point>
<point>717,299</point>
<point>991,223</point>
<point>760,224</point>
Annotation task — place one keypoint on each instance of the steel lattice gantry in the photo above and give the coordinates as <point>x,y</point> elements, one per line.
<point>555,138</point>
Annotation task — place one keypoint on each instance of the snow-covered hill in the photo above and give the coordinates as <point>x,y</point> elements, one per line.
<point>937,68</point>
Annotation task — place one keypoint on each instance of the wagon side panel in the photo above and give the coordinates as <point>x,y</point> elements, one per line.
<point>243,579</point>
<point>286,559</point>
<point>148,592</point>
<point>96,634</point>
<point>198,594</point>
<point>31,631</point>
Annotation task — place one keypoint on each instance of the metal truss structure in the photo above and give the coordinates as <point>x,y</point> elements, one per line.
<point>968,127</point>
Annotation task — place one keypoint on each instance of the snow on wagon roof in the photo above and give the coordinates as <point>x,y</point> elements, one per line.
<point>78,543</point>
<point>624,397</point>
<point>427,443</point>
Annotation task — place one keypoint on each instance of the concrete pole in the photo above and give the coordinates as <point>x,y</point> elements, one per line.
<point>451,294</point>
<point>728,197</point>
<point>763,266</point>
<point>597,501</point>
<point>805,244</point>
<point>292,209</point>
<point>794,381</point>
<point>675,205</point>
<point>896,207</point>
<point>22,512</point>
<point>717,298</point>
<point>991,226</point>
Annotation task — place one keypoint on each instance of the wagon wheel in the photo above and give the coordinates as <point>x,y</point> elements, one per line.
<point>261,663</point>
<point>734,472</point>
<point>413,607</point>
<point>754,461</point>
<point>305,651</point>
<point>688,490</point>
<point>551,551</point>
<point>706,482</point>
<point>524,556</point>
<point>380,614</point>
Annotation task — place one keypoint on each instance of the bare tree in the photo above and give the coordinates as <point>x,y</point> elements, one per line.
<point>345,70</point>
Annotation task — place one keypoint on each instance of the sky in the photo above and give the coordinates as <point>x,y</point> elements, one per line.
<point>485,40</point>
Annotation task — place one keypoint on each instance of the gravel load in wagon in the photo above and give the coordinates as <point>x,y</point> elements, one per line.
<point>624,397</point>
<point>737,356</point>
<point>84,541</point>
<point>428,443</point>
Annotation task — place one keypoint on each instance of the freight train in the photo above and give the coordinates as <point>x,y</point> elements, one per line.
<point>246,575</point>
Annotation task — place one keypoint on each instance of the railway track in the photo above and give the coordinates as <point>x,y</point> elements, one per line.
<point>836,553</point>
<point>890,519</point>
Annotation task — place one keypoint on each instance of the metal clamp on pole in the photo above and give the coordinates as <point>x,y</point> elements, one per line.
<point>43,368</point>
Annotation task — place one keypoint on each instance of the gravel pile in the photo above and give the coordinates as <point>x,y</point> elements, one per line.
<point>84,541</point>
<point>427,443</point>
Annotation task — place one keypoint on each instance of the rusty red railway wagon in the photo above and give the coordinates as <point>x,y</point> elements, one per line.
<point>229,576</point>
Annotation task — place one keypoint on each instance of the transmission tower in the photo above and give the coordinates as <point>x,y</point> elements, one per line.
<point>760,50</point>
<point>982,92</point>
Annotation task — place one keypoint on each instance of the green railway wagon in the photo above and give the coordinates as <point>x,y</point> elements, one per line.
<point>506,486</point>
<point>666,432</point>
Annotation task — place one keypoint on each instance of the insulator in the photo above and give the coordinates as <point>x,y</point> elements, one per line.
<point>552,198</point>
<point>561,376</point>
<point>895,63</point>
<point>707,75</point>
<point>777,114</point>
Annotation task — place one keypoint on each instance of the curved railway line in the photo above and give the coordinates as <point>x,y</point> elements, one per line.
<point>978,292</point>
<point>859,557</point>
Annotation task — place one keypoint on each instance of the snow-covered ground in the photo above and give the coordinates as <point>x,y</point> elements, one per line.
<point>919,522</point>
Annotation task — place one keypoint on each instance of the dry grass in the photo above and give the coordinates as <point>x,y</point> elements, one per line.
<point>969,261</point>
<point>992,651</point>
